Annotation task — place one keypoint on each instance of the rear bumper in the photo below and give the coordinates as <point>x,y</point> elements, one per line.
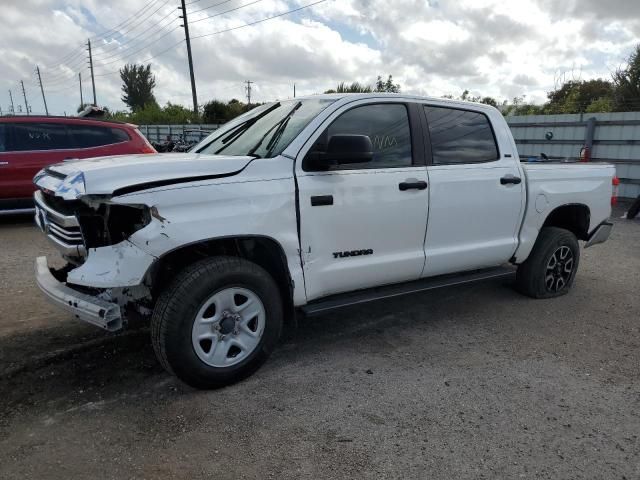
<point>84,307</point>
<point>600,234</point>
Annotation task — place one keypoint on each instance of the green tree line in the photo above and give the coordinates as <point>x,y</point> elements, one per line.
<point>621,93</point>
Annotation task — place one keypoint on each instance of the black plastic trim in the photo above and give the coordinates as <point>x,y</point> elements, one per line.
<point>321,200</point>
<point>388,291</point>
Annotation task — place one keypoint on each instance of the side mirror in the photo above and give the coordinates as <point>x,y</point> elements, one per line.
<point>345,149</point>
<point>342,150</point>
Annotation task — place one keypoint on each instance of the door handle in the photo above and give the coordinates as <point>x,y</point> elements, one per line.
<point>510,180</point>
<point>412,184</point>
<point>321,200</point>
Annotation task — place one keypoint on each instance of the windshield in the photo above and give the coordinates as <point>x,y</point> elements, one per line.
<point>265,131</point>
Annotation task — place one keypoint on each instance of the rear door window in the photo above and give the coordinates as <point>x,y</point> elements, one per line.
<point>460,136</point>
<point>88,136</point>
<point>39,136</point>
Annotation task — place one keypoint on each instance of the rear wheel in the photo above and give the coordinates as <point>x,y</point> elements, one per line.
<point>217,322</point>
<point>552,265</point>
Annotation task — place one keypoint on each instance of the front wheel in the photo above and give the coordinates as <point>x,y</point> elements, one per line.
<point>552,264</point>
<point>217,322</point>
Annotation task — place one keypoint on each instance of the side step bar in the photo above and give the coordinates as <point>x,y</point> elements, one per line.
<point>388,291</point>
<point>17,211</point>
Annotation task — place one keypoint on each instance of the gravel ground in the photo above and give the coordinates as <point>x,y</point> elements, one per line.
<point>470,382</point>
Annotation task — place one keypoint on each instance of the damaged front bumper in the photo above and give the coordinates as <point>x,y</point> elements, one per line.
<point>85,307</point>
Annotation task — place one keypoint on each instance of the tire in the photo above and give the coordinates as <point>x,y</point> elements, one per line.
<point>533,276</point>
<point>191,312</point>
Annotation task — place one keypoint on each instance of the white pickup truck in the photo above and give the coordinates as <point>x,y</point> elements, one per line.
<point>309,204</point>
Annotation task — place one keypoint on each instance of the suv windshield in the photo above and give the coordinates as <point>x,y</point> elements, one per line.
<point>265,131</point>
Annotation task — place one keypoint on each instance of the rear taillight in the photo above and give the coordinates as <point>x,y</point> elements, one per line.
<point>146,146</point>
<point>615,183</point>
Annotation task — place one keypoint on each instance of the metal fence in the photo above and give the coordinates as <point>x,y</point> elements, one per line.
<point>190,132</point>
<point>610,137</point>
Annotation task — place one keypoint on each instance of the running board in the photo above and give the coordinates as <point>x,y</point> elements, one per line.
<point>389,291</point>
<point>17,211</point>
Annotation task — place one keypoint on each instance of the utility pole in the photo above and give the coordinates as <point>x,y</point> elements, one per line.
<point>24,94</point>
<point>13,108</point>
<point>93,81</point>
<point>249,83</point>
<point>46,110</point>
<point>81,100</point>
<point>185,25</point>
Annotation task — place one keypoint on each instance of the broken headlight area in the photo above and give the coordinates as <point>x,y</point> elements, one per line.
<point>109,224</point>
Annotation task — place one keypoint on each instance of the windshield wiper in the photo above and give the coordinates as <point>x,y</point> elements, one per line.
<point>279,130</point>
<point>237,132</point>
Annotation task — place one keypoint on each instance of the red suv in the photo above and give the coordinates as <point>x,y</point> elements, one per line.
<point>28,144</point>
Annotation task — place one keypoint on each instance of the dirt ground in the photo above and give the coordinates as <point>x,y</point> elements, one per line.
<point>470,382</point>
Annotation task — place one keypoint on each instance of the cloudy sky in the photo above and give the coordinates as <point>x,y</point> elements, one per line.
<point>501,48</point>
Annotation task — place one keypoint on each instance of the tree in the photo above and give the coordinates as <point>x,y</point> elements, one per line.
<point>489,101</point>
<point>575,96</point>
<point>387,86</point>
<point>479,99</point>
<point>600,105</point>
<point>137,86</point>
<point>355,87</point>
<point>214,111</point>
<point>627,84</point>
<point>153,114</point>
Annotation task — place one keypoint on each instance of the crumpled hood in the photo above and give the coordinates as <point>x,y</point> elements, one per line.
<point>126,173</point>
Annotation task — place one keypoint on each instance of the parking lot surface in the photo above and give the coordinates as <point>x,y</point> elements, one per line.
<point>468,382</point>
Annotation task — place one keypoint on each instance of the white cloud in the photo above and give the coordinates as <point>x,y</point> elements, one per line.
<point>501,48</point>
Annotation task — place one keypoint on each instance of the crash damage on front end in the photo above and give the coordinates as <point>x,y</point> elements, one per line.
<point>103,282</point>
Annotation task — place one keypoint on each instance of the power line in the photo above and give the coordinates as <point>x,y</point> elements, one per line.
<point>172,46</point>
<point>210,6</point>
<point>149,40</point>
<point>54,78</point>
<point>79,51</point>
<point>104,74</point>
<point>120,45</point>
<point>226,11</point>
<point>140,49</point>
<point>143,19</point>
<point>146,60</point>
<point>67,58</point>
<point>260,21</point>
<point>135,16</point>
